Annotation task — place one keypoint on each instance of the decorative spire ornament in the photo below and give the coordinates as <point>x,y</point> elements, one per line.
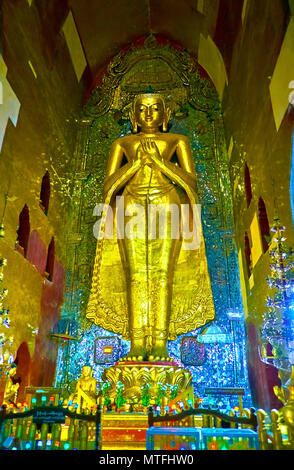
<point>5,339</point>
<point>278,320</point>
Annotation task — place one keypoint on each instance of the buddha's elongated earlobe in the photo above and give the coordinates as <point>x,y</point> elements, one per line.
<point>166,119</point>
<point>134,122</point>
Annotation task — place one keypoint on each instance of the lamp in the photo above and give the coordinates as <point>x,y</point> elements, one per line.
<point>214,334</point>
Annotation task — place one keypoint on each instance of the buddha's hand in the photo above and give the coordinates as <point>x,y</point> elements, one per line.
<point>149,151</point>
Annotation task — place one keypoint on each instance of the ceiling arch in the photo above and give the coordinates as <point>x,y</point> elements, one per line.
<point>106,27</point>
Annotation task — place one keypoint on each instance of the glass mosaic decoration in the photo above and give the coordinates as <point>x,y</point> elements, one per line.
<point>106,349</point>
<point>192,352</point>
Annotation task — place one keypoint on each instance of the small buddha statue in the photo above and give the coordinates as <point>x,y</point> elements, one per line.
<point>85,392</point>
<point>151,286</point>
<point>11,388</point>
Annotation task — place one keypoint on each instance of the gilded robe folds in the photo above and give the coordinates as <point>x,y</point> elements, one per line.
<point>119,268</point>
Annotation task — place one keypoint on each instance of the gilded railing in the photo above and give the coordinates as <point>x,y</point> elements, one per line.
<point>51,428</point>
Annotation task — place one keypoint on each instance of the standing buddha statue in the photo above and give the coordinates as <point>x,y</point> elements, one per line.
<point>153,285</point>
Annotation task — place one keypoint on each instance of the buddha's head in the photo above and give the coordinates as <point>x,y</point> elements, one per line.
<point>86,371</point>
<point>149,113</point>
<point>12,370</point>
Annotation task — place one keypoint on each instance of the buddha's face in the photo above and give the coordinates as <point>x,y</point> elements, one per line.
<point>149,112</point>
<point>86,371</point>
<point>12,371</point>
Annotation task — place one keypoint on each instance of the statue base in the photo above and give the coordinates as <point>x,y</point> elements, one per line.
<point>149,383</point>
<point>124,431</point>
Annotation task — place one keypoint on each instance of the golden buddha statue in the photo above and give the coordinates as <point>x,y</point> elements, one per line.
<point>85,392</point>
<point>11,388</point>
<point>150,280</point>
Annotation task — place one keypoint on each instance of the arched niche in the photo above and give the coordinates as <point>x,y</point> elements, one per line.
<point>247,183</point>
<point>23,371</point>
<point>248,256</point>
<point>263,225</point>
<point>50,260</point>
<point>45,193</point>
<point>195,112</point>
<point>23,231</point>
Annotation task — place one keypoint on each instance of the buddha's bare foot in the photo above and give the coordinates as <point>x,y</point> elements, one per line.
<point>159,351</point>
<point>137,351</point>
<point>152,358</point>
<point>136,354</point>
<point>130,358</point>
